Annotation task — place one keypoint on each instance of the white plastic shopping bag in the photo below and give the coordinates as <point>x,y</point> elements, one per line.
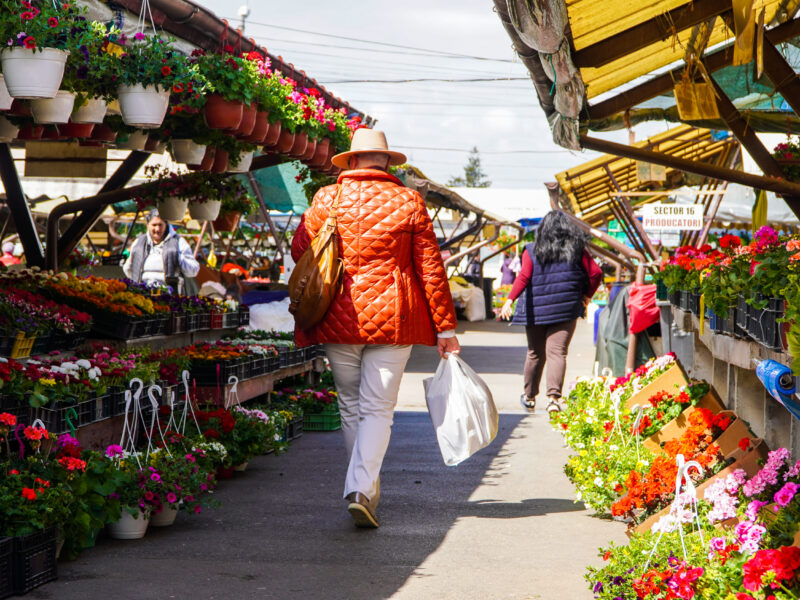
<point>461,408</point>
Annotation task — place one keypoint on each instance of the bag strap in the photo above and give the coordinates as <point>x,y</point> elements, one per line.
<point>332,213</point>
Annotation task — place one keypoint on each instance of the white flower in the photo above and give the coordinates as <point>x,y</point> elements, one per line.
<point>598,482</point>
<point>84,364</point>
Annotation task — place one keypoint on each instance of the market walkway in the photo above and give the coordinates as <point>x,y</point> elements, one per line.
<point>500,526</point>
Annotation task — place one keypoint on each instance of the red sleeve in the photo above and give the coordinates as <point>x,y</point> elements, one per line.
<point>300,240</point>
<point>594,272</point>
<point>524,277</point>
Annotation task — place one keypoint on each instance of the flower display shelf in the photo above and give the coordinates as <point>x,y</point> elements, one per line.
<point>6,567</point>
<point>67,341</point>
<point>230,320</point>
<point>294,429</point>
<point>34,560</point>
<point>213,374</point>
<point>322,422</point>
<point>291,358</point>
<point>668,381</point>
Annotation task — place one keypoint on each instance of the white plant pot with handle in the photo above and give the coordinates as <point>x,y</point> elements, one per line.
<point>188,152</point>
<point>242,467</point>
<point>143,107</point>
<point>245,160</point>
<point>173,209</point>
<point>93,111</point>
<point>33,74</point>
<point>128,527</point>
<point>165,518</point>
<point>136,141</point>
<point>205,211</point>
<point>5,98</point>
<point>8,131</point>
<point>47,111</point>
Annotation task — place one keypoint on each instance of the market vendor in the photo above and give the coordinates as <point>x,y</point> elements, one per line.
<point>160,255</point>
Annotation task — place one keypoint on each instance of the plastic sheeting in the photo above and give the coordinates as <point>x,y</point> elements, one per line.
<point>612,338</point>
<point>280,189</point>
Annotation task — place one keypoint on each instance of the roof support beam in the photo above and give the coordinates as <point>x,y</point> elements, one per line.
<point>626,206</point>
<point>782,75</point>
<point>659,28</point>
<point>779,186</point>
<point>20,209</point>
<point>665,82</point>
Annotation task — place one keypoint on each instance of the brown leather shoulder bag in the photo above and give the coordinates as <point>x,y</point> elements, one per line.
<point>317,277</point>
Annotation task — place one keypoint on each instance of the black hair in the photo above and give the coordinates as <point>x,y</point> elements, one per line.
<point>559,240</point>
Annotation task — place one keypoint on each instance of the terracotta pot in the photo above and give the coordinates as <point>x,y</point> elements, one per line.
<point>227,222</point>
<point>207,162</point>
<point>20,109</point>
<point>155,146</point>
<point>76,130</point>
<point>285,141</point>
<point>273,134</point>
<point>51,133</point>
<point>320,153</point>
<point>248,121</point>
<point>220,161</point>
<point>311,149</point>
<point>31,132</point>
<point>103,133</point>
<point>260,128</point>
<point>222,114</point>
<point>299,147</point>
<point>224,472</point>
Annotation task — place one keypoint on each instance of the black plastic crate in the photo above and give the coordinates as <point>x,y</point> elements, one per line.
<point>41,344</point>
<point>230,320</point>
<point>770,326</point>
<point>204,320</point>
<point>244,316</point>
<point>34,560</point>
<point>694,303</point>
<point>190,322</point>
<point>176,323</point>
<point>741,317</point>
<point>206,374</point>
<point>294,428</point>
<point>675,298</point>
<point>272,364</point>
<point>21,410</point>
<point>113,395</point>
<point>6,566</point>
<point>60,418</point>
<point>684,302</point>
<point>662,293</point>
<point>118,327</point>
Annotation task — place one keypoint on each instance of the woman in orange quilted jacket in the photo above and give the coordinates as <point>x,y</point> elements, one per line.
<point>395,294</point>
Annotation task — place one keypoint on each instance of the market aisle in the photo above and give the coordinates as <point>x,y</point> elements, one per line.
<point>500,526</point>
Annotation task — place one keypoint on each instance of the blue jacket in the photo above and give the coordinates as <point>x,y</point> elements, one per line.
<point>554,295</point>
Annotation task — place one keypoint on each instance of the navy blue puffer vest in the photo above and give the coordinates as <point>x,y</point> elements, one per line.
<point>554,294</point>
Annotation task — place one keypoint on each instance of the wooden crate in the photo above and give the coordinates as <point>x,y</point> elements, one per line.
<point>669,381</point>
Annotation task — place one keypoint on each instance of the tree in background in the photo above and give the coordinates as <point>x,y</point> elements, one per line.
<point>473,173</point>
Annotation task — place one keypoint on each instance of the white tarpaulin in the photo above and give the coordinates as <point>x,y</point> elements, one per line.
<point>510,204</point>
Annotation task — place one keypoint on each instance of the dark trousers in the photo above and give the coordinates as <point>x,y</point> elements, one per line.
<point>547,343</point>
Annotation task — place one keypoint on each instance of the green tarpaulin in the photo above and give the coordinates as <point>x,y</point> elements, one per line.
<point>280,189</point>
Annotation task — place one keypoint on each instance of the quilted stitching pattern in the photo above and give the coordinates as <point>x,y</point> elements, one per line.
<point>395,285</point>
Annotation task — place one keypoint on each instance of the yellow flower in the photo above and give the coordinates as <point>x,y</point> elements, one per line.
<point>114,49</point>
<point>44,381</point>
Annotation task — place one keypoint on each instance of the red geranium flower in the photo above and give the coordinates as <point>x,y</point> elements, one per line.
<point>52,21</point>
<point>211,433</point>
<point>29,493</point>
<point>166,71</point>
<point>744,444</point>
<point>29,43</point>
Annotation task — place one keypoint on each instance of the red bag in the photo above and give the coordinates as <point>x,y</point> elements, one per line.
<point>642,307</point>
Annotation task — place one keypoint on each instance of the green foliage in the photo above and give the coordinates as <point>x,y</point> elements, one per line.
<point>235,79</point>
<point>312,181</point>
<point>91,64</point>
<point>473,173</point>
<point>151,61</point>
<point>46,25</point>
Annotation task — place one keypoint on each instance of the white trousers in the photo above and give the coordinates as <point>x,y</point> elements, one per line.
<point>367,381</point>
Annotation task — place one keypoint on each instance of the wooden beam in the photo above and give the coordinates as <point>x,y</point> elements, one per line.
<point>657,29</point>
<point>665,82</point>
<point>782,75</point>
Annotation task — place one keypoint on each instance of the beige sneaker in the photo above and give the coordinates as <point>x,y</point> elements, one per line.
<point>359,509</point>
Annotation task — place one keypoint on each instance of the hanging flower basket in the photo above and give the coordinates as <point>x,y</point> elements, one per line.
<point>173,209</point>
<point>227,222</point>
<point>136,141</point>
<point>248,121</point>
<point>5,98</point>
<point>245,160</point>
<point>187,152</point>
<point>311,149</point>
<point>299,147</point>
<point>273,135</point>
<point>155,146</point>
<point>206,163</point>
<point>205,211</point>
<point>320,153</point>
<point>220,161</point>
<point>76,130</point>
<point>260,128</point>
<point>165,518</point>
<point>103,133</point>
<point>128,527</point>
<point>222,114</point>
<point>30,132</point>
<point>8,131</point>
<point>53,110</point>
<point>93,111</point>
<point>285,141</point>
<point>143,107</point>
<point>33,73</point>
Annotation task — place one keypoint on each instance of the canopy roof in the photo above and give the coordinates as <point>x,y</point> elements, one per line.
<point>590,187</point>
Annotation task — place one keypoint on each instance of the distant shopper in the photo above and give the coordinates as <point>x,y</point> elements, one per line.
<point>160,256</point>
<point>8,257</point>
<point>556,284</point>
<point>505,269</point>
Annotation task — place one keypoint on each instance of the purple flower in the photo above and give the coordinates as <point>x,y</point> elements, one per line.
<point>139,36</point>
<point>155,477</point>
<point>82,72</point>
<point>114,450</point>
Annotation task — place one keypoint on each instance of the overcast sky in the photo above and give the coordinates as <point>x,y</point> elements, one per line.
<point>502,118</point>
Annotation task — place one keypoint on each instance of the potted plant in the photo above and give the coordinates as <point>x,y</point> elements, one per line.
<point>184,124</point>
<point>232,83</point>
<point>166,192</point>
<point>35,39</point>
<point>203,190</point>
<point>139,493</point>
<point>787,154</point>
<point>146,74</point>
<point>237,202</point>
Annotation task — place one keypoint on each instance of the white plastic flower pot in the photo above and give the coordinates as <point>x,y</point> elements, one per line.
<point>128,527</point>
<point>143,107</point>
<point>53,110</point>
<point>8,131</point>
<point>173,209</point>
<point>245,160</point>
<point>94,111</point>
<point>188,152</point>
<point>136,141</point>
<point>33,74</point>
<point>242,467</point>
<point>5,98</point>
<point>205,211</point>
<point>165,518</point>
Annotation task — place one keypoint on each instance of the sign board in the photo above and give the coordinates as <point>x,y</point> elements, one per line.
<point>683,217</point>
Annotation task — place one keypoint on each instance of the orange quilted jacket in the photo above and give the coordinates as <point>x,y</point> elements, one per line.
<point>395,285</point>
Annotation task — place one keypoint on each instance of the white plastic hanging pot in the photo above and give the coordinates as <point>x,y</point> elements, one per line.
<point>188,152</point>
<point>53,110</point>
<point>33,74</point>
<point>205,211</point>
<point>173,209</point>
<point>128,527</point>
<point>5,98</point>
<point>241,467</point>
<point>94,111</point>
<point>245,160</point>
<point>165,518</point>
<point>8,131</point>
<point>136,141</point>
<point>141,106</point>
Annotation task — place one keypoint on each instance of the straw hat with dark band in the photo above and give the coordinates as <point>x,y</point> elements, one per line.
<point>368,140</point>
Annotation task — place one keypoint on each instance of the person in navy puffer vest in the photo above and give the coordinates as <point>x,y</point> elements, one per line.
<point>554,287</point>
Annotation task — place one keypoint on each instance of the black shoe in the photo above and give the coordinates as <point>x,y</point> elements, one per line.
<point>360,511</point>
